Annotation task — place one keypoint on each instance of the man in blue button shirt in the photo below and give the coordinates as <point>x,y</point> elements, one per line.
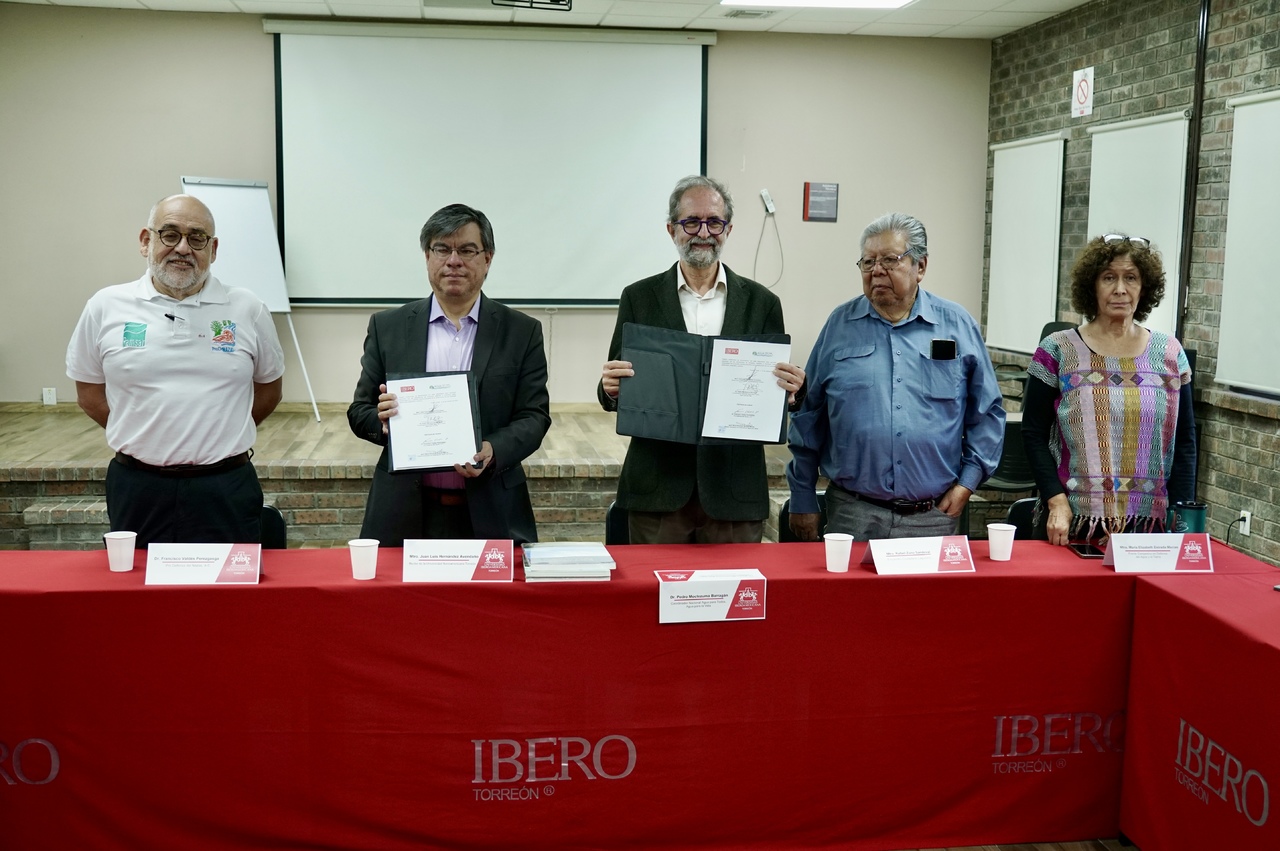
<point>903,413</point>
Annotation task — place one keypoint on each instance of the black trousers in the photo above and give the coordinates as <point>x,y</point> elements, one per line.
<point>445,522</point>
<point>224,508</point>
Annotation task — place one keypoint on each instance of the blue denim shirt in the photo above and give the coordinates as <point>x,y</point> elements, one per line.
<point>883,418</point>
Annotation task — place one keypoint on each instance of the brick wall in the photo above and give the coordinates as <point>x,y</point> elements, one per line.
<point>63,507</point>
<point>1143,55</point>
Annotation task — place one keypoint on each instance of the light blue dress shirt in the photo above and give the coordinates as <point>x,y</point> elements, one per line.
<point>884,419</point>
<point>449,349</point>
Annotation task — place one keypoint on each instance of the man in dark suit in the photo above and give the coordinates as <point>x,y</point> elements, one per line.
<point>675,492</point>
<point>456,329</point>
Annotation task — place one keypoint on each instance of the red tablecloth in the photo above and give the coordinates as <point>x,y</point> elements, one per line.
<point>314,711</point>
<point>1202,767</point>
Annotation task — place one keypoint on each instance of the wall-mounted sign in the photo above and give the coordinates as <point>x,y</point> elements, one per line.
<point>1082,93</point>
<point>821,201</point>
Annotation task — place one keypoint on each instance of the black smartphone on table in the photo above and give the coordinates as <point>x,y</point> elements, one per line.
<point>1085,549</point>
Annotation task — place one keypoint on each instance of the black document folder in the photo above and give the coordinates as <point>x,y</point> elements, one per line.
<point>667,397</point>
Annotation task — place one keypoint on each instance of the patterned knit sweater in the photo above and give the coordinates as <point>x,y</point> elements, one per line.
<point>1113,434</point>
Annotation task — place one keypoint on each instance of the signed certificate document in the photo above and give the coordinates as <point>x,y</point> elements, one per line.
<point>434,427</point>
<point>744,400</point>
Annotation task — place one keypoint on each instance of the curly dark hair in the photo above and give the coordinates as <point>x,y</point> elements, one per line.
<point>1096,256</point>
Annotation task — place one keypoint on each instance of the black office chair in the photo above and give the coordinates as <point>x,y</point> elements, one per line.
<point>1013,473</point>
<point>616,530</point>
<point>785,535</point>
<point>1015,373</point>
<point>274,531</point>
<point>1022,517</point>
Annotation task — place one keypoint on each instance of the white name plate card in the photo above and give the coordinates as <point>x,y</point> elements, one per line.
<point>204,564</point>
<point>1170,552</point>
<point>687,596</point>
<point>908,556</point>
<point>458,561</point>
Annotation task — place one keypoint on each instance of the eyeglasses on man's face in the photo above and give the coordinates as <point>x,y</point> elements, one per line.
<point>172,236</point>
<point>715,227</point>
<point>466,253</point>
<point>889,263</point>
<point>1116,238</point>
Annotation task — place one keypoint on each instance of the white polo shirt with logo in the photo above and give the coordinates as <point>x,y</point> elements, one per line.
<point>179,375</point>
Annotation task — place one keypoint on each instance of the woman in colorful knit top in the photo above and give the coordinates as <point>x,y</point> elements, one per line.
<point>1107,417</point>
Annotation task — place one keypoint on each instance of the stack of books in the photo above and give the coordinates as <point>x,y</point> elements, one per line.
<point>566,562</point>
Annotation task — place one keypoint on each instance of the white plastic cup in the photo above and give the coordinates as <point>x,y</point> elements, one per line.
<point>364,557</point>
<point>120,546</point>
<point>1000,540</point>
<point>839,546</point>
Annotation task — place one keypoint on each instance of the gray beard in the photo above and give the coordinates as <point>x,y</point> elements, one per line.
<point>700,256</point>
<point>184,283</point>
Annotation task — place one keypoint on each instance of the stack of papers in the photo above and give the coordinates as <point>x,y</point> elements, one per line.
<point>566,562</point>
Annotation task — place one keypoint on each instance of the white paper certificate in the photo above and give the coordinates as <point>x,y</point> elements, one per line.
<point>744,400</point>
<point>203,564</point>
<point>432,427</point>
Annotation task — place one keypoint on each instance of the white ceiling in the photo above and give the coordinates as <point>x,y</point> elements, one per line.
<point>984,19</point>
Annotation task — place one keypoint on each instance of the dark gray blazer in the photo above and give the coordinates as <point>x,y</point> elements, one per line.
<point>658,475</point>
<point>510,369</point>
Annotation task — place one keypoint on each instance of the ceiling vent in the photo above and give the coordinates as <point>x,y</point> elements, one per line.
<point>748,14</point>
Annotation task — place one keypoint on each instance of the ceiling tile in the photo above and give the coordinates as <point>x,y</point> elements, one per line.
<point>888,28</point>
<point>642,21</point>
<point>979,19</point>
<point>346,9</point>
<point>191,6</point>
<point>653,9</point>
<point>568,19</point>
<point>820,27</point>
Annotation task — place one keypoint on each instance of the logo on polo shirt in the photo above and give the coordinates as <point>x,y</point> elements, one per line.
<point>135,335</point>
<point>224,335</point>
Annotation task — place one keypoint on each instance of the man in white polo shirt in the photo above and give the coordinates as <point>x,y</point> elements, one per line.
<point>179,369</point>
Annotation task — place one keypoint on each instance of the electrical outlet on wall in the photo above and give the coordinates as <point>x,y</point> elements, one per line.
<point>1246,518</point>
<point>50,396</point>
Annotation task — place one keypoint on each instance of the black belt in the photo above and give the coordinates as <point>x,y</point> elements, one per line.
<point>185,471</point>
<point>897,506</point>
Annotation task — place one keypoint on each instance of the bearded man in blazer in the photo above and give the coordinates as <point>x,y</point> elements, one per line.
<point>676,492</point>
<point>456,329</point>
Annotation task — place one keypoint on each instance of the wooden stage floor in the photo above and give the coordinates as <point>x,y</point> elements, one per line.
<point>33,435</point>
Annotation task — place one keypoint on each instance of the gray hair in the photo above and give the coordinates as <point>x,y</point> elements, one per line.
<point>911,228</point>
<point>453,218</point>
<point>692,182</point>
